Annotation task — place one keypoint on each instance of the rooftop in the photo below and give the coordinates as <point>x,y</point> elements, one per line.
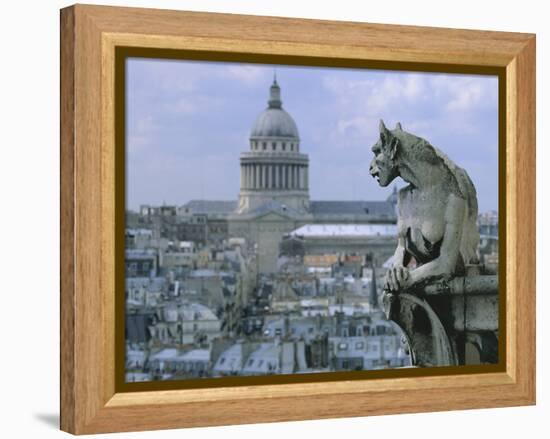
<point>345,230</point>
<point>376,208</point>
<point>211,206</point>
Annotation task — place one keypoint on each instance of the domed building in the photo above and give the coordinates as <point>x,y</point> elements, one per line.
<point>274,194</point>
<point>274,170</point>
<point>274,201</point>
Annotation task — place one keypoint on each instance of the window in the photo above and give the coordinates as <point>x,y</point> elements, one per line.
<point>284,146</point>
<point>132,267</point>
<point>264,145</point>
<point>359,345</point>
<point>251,361</point>
<point>273,146</point>
<point>342,346</point>
<point>222,360</point>
<point>260,363</point>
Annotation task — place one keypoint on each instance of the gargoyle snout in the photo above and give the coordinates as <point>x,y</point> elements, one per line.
<point>373,169</point>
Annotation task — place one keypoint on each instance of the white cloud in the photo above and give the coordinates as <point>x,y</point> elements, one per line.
<point>376,96</point>
<point>465,98</point>
<point>465,93</point>
<point>193,103</point>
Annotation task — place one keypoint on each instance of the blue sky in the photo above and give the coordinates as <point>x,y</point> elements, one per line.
<point>187,123</point>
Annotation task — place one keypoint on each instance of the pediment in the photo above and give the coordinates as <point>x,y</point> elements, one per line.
<point>272,216</point>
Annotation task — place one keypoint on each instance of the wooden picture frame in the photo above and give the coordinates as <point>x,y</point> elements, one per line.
<point>91,402</point>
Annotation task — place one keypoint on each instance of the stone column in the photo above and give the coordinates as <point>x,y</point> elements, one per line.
<point>306,169</point>
<point>269,176</point>
<point>257,177</point>
<point>289,176</point>
<point>277,176</point>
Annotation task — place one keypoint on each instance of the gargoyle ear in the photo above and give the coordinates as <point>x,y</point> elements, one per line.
<point>383,130</point>
<point>398,126</point>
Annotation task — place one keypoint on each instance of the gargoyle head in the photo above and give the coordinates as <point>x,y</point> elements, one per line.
<point>383,166</point>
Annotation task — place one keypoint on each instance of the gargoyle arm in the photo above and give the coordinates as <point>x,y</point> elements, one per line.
<point>399,254</point>
<point>396,274</point>
<point>446,262</point>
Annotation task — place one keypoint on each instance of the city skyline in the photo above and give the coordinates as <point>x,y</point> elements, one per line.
<point>188,125</point>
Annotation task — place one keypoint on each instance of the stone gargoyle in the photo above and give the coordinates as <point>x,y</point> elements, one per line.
<point>432,290</point>
<point>437,211</point>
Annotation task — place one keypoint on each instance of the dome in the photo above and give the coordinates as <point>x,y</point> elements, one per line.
<point>274,121</point>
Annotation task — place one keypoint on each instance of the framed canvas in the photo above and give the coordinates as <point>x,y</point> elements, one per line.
<point>212,274</point>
